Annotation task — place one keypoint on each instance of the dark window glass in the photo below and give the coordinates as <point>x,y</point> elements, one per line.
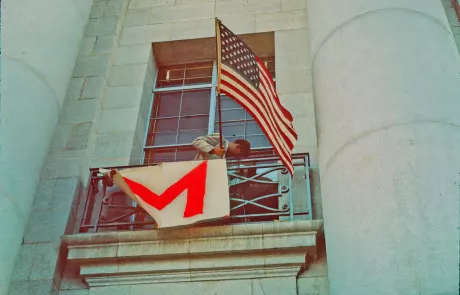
<point>187,74</point>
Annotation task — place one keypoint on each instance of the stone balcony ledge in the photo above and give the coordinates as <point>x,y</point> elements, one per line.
<point>252,250</point>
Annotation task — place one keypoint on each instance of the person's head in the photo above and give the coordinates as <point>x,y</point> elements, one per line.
<point>239,148</point>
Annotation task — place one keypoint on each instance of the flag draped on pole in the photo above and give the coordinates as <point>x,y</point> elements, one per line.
<point>244,77</point>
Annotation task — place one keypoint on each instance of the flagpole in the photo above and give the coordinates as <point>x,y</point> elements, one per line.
<point>219,108</point>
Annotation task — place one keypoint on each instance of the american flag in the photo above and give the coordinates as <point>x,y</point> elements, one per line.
<point>245,78</point>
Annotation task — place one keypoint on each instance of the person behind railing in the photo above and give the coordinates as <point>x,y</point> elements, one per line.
<point>208,148</point>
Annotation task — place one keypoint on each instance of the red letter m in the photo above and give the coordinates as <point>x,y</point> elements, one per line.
<point>194,182</point>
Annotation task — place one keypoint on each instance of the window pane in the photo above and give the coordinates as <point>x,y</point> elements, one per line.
<point>167,104</point>
<point>195,102</point>
<point>253,128</point>
<point>185,154</point>
<point>188,123</point>
<point>229,103</point>
<point>185,74</point>
<point>231,129</point>
<point>258,141</point>
<point>190,136</point>
<point>164,125</point>
<point>159,155</point>
<point>200,73</point>
<point>171,76</point>
<point>229,115</point>
<point>164,138</point>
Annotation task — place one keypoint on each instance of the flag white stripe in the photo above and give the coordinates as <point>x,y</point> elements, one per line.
<point>286,152</point>
<point>281,128</point>
<point>259,112</point>
<point>268,96</point>
<point>273,96</point>
<point>279,145</point>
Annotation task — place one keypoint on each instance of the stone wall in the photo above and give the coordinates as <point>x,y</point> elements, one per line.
<point>104,115</point>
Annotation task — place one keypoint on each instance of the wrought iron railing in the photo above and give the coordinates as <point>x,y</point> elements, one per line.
<point>260,190</point>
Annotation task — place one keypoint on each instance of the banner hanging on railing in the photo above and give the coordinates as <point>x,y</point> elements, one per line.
<point>178,193</point>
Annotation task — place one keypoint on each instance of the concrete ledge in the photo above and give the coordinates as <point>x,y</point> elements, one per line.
<point>258,250</point>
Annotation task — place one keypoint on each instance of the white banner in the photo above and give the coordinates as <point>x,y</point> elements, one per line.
<point>179,193</point>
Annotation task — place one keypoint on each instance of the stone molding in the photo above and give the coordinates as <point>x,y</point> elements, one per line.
<point>243,251</point>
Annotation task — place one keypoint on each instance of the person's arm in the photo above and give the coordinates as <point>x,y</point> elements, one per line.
<point>207,144</point>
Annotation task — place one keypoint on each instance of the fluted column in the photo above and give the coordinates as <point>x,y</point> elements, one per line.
<point>387,99</point>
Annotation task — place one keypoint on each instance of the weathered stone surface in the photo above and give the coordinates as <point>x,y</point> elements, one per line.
<point>123,97</point>
<point>314,285</point>
<point>38,287</point>
<point>94,87</point>
<point>291,5</point>
<point>61,196</point>
<point>240,24</point>
<point>113,145</point>
<point>62,164</point>
<point>91,66</point>
<point>299,104</point>
<point>142,4</point>
<point>272,286</point>
<point>87,46</point>
<point>105,44</point>
<point>291,47</point>
<point>24,263</point>
<point>74,292</point>
<point>294,81</point>
<point>79,111</point>
<point>46,226</point>
<point>193,29</point>
<point>186,12</point>
<point>281,21</point>
<point>137,17</point>
<point>75,88</point>
<point>143,34</point>
<point>133,54</point>
<point>102,26</point>
<point>127,75</point>
<point>44,263</point>
<point>307,127</point>
<point>239,7</point>
<point>78,137</point>
<point>118,120</point>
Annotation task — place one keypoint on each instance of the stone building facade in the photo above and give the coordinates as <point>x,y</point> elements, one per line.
<point>372,85</point>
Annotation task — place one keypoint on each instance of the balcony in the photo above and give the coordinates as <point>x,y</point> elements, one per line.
<point>270,234</point>
<point>260,190</point>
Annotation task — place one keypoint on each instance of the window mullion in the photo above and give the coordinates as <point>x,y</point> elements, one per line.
<point>149,117</point>
<point>213,101</point>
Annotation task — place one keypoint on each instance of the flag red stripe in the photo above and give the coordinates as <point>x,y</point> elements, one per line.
<point>260,99</point>
<point>247,100</point>
<point>284,154</point>
<point>257,113</point>
<point>290,135</point>
<point>289,131</point>
<point>273,96</point>
<point>277,100</point>
<point>268,98</point>
<point>237,95</point>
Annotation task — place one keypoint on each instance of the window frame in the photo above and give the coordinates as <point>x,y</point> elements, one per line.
<point>212,109</point>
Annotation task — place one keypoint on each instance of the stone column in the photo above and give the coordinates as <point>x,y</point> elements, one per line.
<point>387,88</point>
<point>40,45</point>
